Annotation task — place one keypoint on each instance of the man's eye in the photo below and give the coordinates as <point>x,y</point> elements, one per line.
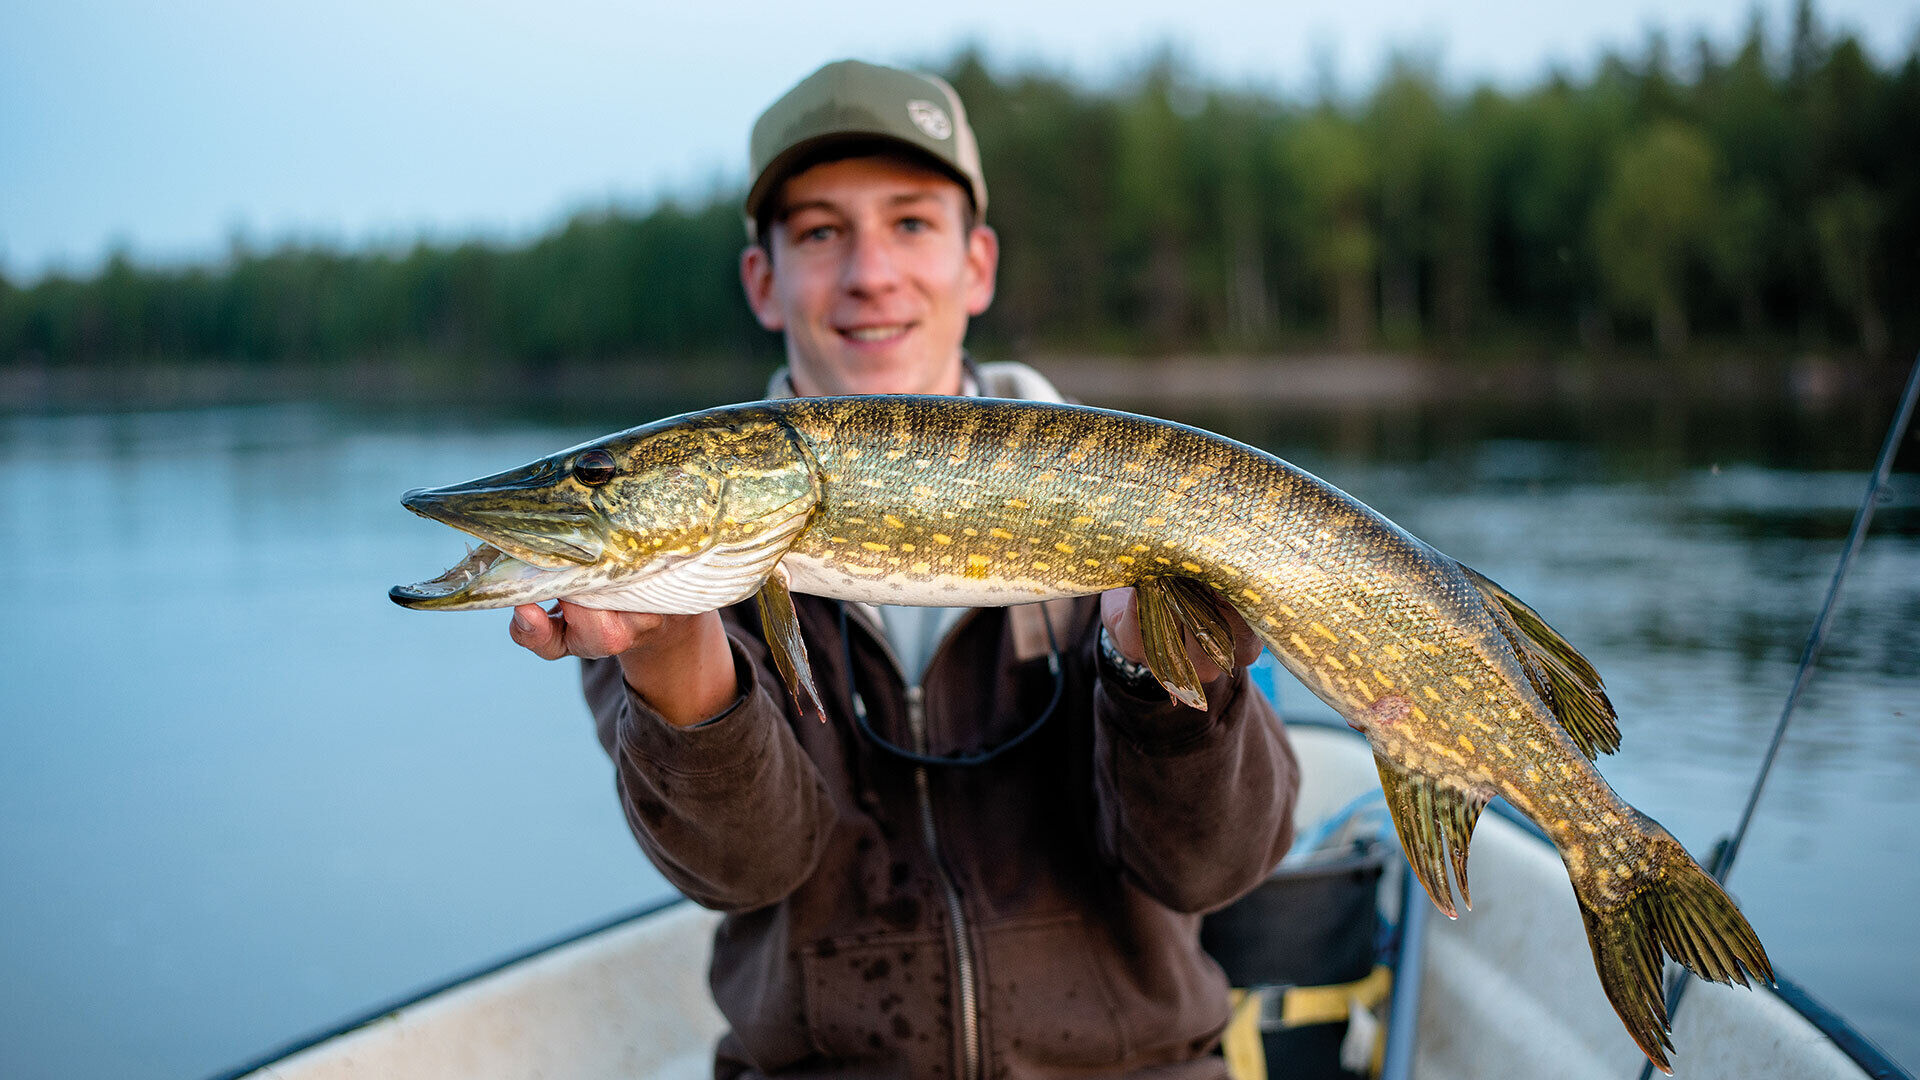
<point>815,235</point>
<point>915,224</point>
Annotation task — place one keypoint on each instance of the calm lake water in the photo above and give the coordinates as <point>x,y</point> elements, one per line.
<point>242,796</point>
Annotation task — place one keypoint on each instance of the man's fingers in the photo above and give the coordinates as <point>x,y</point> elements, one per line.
<point>591,632</point>
<point>571,630</point>
<point>1119,611</point>
<point>538,632</point>
<point>1247,645</point>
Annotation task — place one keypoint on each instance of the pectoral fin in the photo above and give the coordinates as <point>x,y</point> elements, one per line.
<point>1169,609</point>
<point>782,627</point>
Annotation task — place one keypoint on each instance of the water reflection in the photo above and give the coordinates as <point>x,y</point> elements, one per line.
<point>243,794</point>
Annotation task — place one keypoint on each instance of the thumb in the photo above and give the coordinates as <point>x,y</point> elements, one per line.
<point>535,631</point>
<point>1247,645</point>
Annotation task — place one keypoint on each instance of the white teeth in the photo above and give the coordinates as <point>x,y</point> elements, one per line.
<point>876,333</point>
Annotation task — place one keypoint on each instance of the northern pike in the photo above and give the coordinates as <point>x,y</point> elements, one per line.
<point>1462,691</point>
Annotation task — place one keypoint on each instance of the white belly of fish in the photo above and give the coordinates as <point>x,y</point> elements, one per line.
<point>821,578</point>
<point>705,580</point>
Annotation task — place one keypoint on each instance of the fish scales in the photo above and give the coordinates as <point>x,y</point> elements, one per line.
<point>1168,500</point>
<point>1462,691</point>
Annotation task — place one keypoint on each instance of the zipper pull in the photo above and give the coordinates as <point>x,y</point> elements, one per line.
<point>917,718</point>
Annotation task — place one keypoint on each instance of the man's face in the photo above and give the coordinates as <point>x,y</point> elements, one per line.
<point>872,277</point>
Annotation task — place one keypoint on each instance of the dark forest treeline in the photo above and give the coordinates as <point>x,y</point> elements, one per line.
<point>1753,195</point>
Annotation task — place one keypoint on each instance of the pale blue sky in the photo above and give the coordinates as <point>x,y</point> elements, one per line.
<point>165,128</point>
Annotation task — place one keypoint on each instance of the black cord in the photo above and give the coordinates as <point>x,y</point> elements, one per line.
<point>980,758</point>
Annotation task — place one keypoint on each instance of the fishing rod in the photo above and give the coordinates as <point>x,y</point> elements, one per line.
<point>1721,862</point>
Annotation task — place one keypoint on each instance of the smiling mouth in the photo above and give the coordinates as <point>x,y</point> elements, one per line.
<point>875,334</point>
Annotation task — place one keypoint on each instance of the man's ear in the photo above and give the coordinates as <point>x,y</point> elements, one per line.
<point>983,267</point>
<point>756,279</point>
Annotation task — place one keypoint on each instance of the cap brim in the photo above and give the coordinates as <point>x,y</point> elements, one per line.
<point>786,163</point>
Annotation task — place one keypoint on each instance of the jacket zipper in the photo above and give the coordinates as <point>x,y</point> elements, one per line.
<point>956,915</point>
<point>966,981</point>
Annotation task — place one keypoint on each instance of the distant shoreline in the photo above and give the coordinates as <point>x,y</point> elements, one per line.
<point>1308,382</point>
<point>1386,380</point>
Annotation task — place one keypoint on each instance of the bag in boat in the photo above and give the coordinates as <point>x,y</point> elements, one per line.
<point>1301,951</point>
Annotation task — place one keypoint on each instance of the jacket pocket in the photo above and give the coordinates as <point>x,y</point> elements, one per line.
<point>1046,998</point>
<point>886,996</point>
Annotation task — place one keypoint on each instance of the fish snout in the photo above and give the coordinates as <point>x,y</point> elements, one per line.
<point>419,500</point>
<point>529,524</point>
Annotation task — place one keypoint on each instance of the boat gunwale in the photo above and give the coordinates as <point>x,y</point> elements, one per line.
<point>302,1043</point>
<point>1849,1040</point>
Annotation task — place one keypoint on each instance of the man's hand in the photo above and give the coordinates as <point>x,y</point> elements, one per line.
<point>1119,612</point>
<point>680,664</point>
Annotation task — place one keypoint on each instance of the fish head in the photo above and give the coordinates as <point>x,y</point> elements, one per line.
<point>606,513</point>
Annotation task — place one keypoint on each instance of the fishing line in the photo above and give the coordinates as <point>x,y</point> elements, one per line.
<point>1721,863</point>
<point>1896,432</point>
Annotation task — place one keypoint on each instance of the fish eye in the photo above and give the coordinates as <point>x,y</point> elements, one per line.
<point>593,468</point>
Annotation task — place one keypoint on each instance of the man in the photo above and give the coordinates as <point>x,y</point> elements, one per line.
<point>991,862</point>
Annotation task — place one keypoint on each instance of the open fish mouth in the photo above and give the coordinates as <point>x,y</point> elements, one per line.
<point>486,578</point>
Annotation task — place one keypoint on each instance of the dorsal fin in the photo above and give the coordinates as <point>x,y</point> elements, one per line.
<point>1573,688</point>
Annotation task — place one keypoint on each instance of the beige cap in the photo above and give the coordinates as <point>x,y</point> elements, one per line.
<point>850,101</point>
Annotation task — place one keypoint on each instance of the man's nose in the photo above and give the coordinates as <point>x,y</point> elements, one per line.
<point>870,267</point>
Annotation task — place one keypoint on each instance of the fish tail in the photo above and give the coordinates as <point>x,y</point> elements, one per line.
<point>1668,906</point>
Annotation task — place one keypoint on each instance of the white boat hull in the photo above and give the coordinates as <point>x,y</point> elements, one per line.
<point>1508,991</point>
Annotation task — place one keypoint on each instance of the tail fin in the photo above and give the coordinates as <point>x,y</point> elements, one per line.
<point>1669,906</point>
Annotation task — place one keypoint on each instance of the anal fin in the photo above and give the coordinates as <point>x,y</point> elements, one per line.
<point>781,625</point>
<point>1169,609</point>
<point>1435,824</point>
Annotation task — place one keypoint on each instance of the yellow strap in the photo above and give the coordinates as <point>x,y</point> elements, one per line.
<point>1240,1042</point>
<point>1299,1005</point>
<point>1328,1004</point>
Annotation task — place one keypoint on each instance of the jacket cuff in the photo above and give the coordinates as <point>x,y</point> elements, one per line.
<point>723,741</point>
<point>1155,723</point>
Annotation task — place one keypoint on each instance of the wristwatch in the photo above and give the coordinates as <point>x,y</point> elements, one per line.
<point>1134,676</point>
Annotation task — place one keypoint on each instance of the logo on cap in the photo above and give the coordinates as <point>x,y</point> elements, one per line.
<point>930,118</point>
